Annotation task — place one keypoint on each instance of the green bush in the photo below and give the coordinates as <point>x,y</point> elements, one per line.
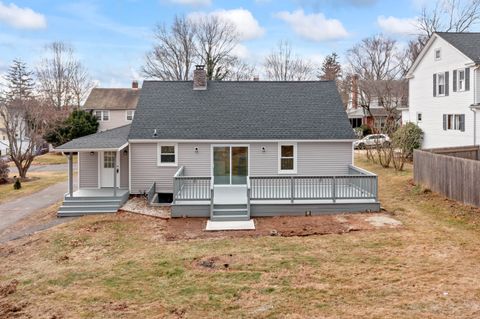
<point>408,138</point>
<point>17,184</point>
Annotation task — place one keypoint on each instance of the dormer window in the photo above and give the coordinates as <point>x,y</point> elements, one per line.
<point>438,54</point>
<point>130,114</point>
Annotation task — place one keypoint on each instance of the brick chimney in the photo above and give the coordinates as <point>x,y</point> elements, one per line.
<point>355,91</point>
<point>134,84</point>
<point>199,78</point>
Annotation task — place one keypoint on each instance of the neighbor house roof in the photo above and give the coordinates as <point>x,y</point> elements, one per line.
<point>466,42</point>
<point>112,99</point>
<point>112,139</point>
<point>240,110</point>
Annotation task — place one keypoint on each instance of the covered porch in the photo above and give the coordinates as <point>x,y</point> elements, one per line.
<point>103,167</point>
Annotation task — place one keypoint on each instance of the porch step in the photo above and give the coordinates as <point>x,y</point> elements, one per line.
<point>83,212</point>
<point>89,208</point>
<point>92,202</point>
<point>78,206</point>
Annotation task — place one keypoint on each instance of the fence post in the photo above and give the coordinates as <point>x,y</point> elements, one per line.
<point>334,189</point>
<point>292,189</point>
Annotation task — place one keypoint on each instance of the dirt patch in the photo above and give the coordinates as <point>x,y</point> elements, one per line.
<point>222,262</point>
<point>285,226</point>
<point>9,288</point>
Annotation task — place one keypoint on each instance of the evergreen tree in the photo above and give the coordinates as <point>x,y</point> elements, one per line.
<point>331,69</point>
<point>20,83</point>
<point>78,124</point>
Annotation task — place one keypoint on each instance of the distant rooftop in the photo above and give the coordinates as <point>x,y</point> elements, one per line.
<point>112,99</point>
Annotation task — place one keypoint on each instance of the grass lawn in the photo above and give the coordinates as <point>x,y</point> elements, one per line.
<point>50,159</point>
<point>121,266</point>
<point>39,181</point>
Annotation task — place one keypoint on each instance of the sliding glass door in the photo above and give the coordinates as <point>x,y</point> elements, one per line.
<point>230,165</point>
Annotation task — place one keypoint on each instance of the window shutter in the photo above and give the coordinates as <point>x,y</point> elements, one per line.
<point>462,122</point>
<point>434,85</point>
<point>444,122</point>
<point>446,83</point>
<point>467,79</point>
<point>454,81</point>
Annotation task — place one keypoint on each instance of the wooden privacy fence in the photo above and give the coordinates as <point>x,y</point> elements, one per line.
<point>457,178</point>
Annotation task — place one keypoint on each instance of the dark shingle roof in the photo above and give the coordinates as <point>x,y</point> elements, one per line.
<point>112,99</point>
<point>111,139</point>
<point>241,110</point>
<point>466,42</point>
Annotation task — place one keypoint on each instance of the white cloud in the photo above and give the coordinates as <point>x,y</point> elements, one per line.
<point>21,18</point>
<point>192,2</point>
<point>394,25</point>
<point>313,26</point>
<point>246,24</point>
<point>241,51</point>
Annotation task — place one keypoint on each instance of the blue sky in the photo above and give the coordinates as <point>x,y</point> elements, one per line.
<point>112,36</point>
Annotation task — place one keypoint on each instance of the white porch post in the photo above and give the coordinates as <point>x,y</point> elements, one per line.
<point>115,174</point>
<point>70,174</point>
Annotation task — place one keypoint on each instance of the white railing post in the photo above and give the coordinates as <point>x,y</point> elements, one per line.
<point>334,189</point>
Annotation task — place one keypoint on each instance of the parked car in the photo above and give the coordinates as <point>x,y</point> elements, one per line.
<point>372,140</point>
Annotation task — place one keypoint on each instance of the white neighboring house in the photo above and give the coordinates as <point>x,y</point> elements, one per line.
<point>444,90</point>
<point>113,107</point>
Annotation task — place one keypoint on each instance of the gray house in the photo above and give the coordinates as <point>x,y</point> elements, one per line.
<point>226,150</point>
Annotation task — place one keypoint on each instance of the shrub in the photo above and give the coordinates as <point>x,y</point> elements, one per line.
<point>4,170</point>
<point>17,184</point>
<point>405,140</point>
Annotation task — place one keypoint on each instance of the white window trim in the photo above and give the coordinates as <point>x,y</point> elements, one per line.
<point>159,150</point>
<point>435,54</point>
<point>421,115</point>
<point>126,115</point>
<point>458,80</point>
<point>102,112</point>
<point>438,84</point>
<point>289,171</point>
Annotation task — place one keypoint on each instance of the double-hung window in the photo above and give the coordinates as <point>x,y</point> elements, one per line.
<point>441,83</point>
<point>461,80</point>
<point>454,122</point>
<point>130,115</point>
<point>288,158</point>
<point>102,115</point>
<point>167,154</point>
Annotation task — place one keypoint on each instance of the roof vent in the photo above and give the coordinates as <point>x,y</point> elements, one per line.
<point>155,133</point>
<point>199,77</point>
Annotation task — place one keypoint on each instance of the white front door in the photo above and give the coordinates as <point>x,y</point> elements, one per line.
<point>107,168</point>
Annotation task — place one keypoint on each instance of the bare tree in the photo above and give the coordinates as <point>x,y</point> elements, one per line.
<point>173,55</point>
<point>215,40</point>
<point>240,71</point>
<point>283,65</point>
<point>375,58</point>
<point>63,81</point>
<point>23,116</point>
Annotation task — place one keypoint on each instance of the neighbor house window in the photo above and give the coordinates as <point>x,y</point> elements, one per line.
<point>288,160</point>
<point>102,115</point>
<point>461,80</point>
<point>130,114</point>
<point>441,83</point>
<point>438,54</point>
<point>454,122</point>
<point>167,154</point>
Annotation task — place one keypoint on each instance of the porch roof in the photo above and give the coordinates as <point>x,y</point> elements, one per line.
<point>110,140</point>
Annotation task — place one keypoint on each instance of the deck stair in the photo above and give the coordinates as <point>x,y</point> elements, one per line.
<point>230,204</point>
<point>87,205</point>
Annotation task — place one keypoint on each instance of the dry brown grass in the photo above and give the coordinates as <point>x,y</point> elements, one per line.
<point>36,181</point>
<point>121,266</point>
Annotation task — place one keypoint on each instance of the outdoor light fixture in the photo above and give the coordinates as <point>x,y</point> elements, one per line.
<point>196,149</point>
<point>263,149</point>
<point>125,151</point>
<point>92,153</point>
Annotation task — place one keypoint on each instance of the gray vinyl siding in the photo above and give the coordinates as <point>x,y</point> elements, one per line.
<point>124,168</point>
<point>313,158</point>
<point>324,158</point>
<point>88,170</point>
<point>117,118</point>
